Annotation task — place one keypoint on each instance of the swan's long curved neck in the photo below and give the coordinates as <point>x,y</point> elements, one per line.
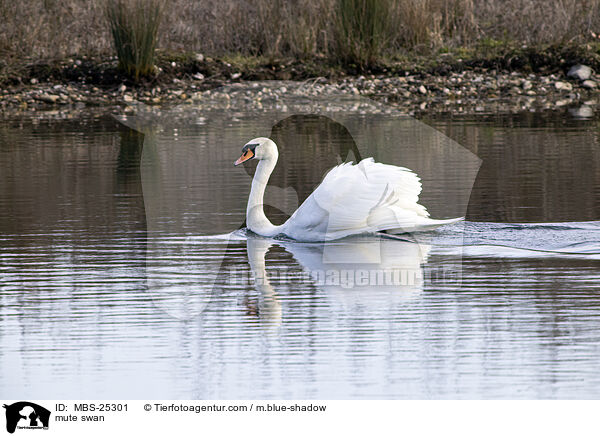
<point>256,219</point>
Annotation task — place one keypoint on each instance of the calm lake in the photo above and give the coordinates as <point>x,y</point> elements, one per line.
<point>123,273</point>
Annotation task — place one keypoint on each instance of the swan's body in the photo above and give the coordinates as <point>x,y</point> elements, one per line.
<point>352,199</point>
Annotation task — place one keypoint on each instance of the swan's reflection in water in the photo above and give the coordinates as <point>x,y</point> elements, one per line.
<point>349,271</point>
<point>269,307</point>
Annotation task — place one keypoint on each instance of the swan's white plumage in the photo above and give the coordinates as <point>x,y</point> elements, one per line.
<point>362,198</point>
<point>352,199</point>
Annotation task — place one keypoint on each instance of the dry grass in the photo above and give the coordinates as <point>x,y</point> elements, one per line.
<point>52,28</point>
<point>436,23</point>
<point>299,28</point>
<point>539,22</point>
<point>363,29</point>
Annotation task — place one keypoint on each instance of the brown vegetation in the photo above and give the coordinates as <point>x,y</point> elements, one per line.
<point>51,29</point>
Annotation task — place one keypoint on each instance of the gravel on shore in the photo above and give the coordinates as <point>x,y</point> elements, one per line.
<point>465,92</point>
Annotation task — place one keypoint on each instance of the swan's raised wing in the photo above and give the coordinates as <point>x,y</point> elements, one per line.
<point>366,197</point>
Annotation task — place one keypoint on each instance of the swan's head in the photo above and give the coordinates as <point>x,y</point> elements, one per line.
<point>258,148</point>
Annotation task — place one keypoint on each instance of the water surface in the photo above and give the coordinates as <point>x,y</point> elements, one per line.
<point>110,291</point>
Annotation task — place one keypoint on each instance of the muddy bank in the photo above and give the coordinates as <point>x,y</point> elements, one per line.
<point>448,84</point>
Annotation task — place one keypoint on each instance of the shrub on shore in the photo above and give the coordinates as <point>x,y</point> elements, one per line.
<point>134,29</point>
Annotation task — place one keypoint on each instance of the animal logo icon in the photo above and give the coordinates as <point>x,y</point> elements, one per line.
<point>26,415</point>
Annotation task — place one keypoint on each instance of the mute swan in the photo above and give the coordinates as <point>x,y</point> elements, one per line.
<point>352,199</point>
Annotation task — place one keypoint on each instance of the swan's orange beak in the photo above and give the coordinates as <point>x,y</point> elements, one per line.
<point>247,155</point>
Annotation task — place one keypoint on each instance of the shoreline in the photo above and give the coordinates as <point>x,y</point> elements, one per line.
<point>422,85</point>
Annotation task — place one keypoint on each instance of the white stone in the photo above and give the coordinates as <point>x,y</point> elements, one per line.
<point>590,84</point>
<point>580,72</point>
<point>563,86</point>
<point>49,98</point>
